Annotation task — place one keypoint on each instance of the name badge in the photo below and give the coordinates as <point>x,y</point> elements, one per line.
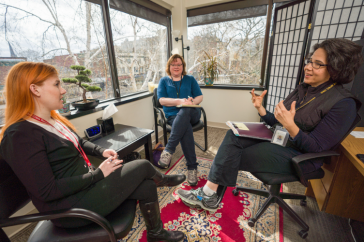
<point>280,136</point>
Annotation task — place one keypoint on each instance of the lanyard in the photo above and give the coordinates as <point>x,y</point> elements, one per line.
<point>322,92</point>
<point>78,145</point>
<point>178,92</point>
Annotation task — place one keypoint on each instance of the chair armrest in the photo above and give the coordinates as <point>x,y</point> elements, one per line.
<point>309,156</point>
<point>164,120</point>
<point>158,110</point>
<point>73,213</point>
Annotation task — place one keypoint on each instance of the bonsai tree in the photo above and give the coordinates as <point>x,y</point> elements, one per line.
<point>82,76</point>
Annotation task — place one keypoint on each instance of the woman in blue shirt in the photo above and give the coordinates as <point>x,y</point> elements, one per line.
<point>175,89</point>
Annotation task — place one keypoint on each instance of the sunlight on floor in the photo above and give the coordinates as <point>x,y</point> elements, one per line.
<point>212,150</point>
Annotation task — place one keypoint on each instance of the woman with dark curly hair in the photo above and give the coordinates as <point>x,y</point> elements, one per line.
<point>316,115</point>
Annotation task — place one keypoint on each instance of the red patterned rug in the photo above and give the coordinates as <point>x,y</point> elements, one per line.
<point>228,223</point>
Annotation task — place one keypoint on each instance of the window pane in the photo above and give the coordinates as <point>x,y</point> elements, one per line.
<point>140,50</point>
<point>59,32</point>
<point>237,45</point>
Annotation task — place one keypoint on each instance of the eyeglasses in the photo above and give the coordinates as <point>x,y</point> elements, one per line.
<point>314,64</point>
<point>177,65</point>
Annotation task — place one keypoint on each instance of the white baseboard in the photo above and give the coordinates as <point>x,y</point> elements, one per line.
<point>217,125</point>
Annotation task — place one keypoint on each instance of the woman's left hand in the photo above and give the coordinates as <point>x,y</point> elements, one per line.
<point>285,117</point>
<point>110,153</point>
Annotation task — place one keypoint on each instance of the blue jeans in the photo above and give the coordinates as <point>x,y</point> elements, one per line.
<point>182,132</point>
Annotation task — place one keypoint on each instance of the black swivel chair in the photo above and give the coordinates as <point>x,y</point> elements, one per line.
<point>275,181</point>
<point>13,196</point>
<point>158,109</point>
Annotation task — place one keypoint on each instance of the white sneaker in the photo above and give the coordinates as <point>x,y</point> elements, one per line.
<point>165,159</point>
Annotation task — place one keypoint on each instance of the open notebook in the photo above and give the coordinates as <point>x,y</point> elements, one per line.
<point>188,106</point>
<point>253,130</point>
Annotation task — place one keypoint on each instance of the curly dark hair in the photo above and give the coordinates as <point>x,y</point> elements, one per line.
<point>343,58</point>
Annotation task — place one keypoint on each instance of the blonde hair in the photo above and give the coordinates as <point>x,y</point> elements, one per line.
<point>19,99</point>
<point>172,59</point>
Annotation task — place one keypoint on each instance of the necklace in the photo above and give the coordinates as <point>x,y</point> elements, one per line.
<point>320,93</point>
<point>177,90</point>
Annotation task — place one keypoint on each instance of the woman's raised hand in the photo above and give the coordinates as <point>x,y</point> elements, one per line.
<point>257,100</point>
<point>285,117</point>
<point>109,165</point>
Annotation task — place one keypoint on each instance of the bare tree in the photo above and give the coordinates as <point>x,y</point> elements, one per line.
<point>153,54</point>
<point>236,44</point>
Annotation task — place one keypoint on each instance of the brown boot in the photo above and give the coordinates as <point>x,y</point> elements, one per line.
<point>163,180</point>
<point>155,231</point>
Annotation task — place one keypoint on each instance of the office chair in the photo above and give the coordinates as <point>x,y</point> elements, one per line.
<point>13,196</point>
<point>276,180</point>
<point>158,109</point>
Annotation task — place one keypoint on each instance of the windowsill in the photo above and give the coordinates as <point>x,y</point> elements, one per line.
<point>233,87</point>
<point>119,101</point>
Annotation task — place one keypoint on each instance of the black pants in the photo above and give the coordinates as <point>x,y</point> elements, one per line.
<point>238,153</point>
<point>132,181</point>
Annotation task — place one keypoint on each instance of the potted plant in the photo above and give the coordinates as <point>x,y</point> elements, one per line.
<point>83,76</point>
<point>66,107</point>
<point>209,69</point>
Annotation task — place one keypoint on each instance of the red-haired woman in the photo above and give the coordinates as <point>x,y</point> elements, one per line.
<point>50,159</point>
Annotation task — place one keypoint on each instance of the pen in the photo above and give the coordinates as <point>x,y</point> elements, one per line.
<point>191,100</point>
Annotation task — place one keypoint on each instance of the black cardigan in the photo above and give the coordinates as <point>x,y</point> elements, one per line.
<point>51,168</point>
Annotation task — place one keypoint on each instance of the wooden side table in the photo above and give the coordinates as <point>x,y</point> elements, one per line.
<point>126,139</point>
<point>341,190</point>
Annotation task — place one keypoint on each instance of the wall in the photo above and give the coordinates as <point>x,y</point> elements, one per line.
<point>223,105</point>
<point>220,105</point>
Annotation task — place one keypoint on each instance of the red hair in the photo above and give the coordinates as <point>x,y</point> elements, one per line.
<point>19,98</point>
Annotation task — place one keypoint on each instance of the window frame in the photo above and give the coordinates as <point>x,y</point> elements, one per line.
<point>105,9</point>
<point>110,45</point>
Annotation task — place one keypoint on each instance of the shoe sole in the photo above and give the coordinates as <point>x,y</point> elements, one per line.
<point>190,205</point>
<point>192,184</point>
<point>162,165</point>
<point>197,203</point>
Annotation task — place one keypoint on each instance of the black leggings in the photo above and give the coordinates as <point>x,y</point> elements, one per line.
<point>131,181</point>
<point>253,155</point>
